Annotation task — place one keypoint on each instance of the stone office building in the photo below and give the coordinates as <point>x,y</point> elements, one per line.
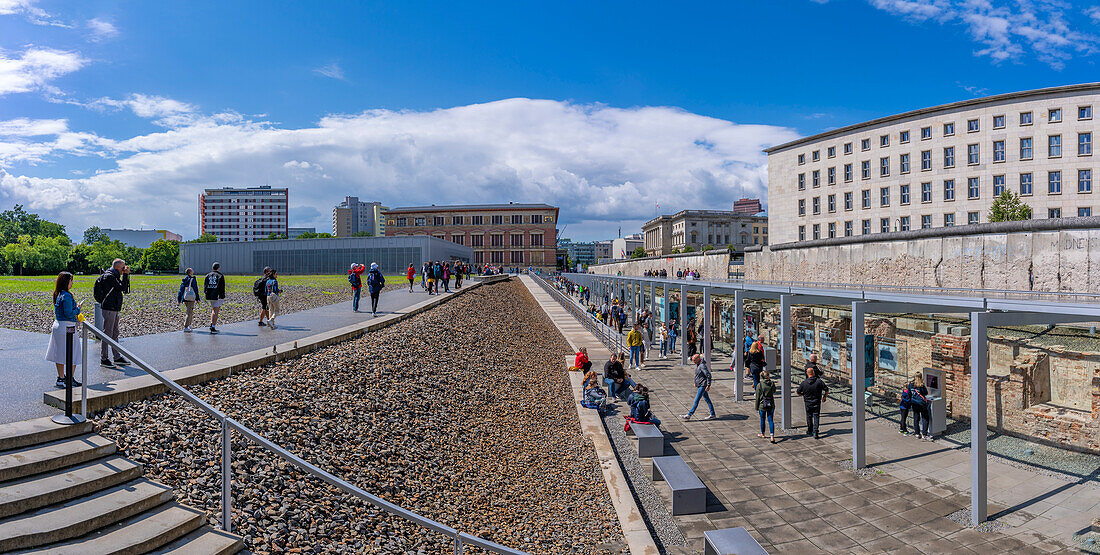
<point>499,234</point>
<point>938,166</point>
<point>700,229</point>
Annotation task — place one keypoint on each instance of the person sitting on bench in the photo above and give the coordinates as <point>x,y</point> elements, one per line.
<point>617,380</point>
<point>639,406</point>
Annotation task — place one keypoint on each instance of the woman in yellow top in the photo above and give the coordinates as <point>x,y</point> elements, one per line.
<point>634,341</point>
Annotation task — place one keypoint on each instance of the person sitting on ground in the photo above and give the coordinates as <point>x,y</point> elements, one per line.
<point>592,391</point>
<point>639,406</point>
<point>581,362</point>
<point>765,403</point>
<point>617,380</point>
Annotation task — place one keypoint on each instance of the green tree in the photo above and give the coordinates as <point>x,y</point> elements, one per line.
<point>205,238</point>
<point>689,249</point>
<point>94,235</point>
<point>1008,208</point>
<point>104,252</point>
<point>53,255</point>
<point>162,256</point>
<point>639,252</point>
<point>79,262</point>
<point>273,236</point>
<point>312,235</point>
<point>21,254</point>
<point>17,222</point>
<point>362,234</point>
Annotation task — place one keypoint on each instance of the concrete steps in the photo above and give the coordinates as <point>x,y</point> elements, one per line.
<point>63,489</point>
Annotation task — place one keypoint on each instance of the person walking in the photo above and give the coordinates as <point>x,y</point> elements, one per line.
<point>355,277</point>
<point>66,315</point>
<point>410,274</point>
<point>691,338</point>
<point>702,388</point>
<point>259,290</point>
<point>375,282</point>
<point>765,403</point>
<point>458,275</point>
<point>108,292</point>
<point>662,336</point>
<point>756,362</point>
<point>671,336</point>
<point>437,273</point>
<point>188,295</point>
<point>814,392</point>
<point>424,276</point>
<point>634,341</point>
<point>273,293</point>
<point>446,277</point>
<point>214,286</point>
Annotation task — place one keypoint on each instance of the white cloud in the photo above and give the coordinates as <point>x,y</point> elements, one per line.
<point>33,13</point>
<point>162,110</point>
<point>596,162</point>
<point>33,141</point>
<point>35,68</point>
<point>1094,13</point>
<point>1007,31</point>
<point>101,30</point>
<point>332,70</point>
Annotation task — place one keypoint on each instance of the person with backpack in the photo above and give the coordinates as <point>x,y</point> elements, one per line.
<point>921,407</point>
<point>375,282</point>
<point>437,275</point>
<point>259,290</point>
<point>639,406</point>
<point>355,274</point>
<point>66,314</point>
<point>273,293</point>
<point>814,392</point>
<point>108,292</point>
<point>214,286</point>
<point>765,403</point>
<point>411,275</point>
<point>703,380</point>
<point>188,295</point>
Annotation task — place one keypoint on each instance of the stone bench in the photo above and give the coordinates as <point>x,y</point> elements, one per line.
<point>689,495</point>
<point>731,541</point>
<point>651,441</point>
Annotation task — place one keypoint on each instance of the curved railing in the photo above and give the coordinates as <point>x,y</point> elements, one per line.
<point>460,538</point>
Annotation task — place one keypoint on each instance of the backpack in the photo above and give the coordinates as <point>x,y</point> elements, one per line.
<point>353,279</point>
<point>375,279</point>
<point>259,287</point>
<point>100,291</point>
<point>917,400</point>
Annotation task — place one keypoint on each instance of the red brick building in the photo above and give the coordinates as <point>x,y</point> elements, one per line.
<point>500,234</point>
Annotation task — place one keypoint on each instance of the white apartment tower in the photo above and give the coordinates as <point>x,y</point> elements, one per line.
<point>243,213</point>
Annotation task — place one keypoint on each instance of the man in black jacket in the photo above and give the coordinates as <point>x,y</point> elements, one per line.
<point>617,380</point>
<point>214,286</point>
<point>814,392</point>
<point>108,292</point>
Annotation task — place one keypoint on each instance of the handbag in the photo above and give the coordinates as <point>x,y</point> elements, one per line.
<point>767,404</point>
<point>189,294</point>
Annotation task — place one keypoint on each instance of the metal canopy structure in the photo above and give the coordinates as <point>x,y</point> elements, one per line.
<point>985,308</point>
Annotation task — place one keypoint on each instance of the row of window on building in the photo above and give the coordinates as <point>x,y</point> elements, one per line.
<point>495,239</point>
<point>973,158</point>
<point>1025,187</point>
<point>1054,115</point>
<point>514,219</point>
<point>904,223</point>
<point>509,257</point>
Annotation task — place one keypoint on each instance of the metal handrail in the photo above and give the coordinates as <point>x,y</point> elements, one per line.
<point>611,339</point>
<point>227,424</point>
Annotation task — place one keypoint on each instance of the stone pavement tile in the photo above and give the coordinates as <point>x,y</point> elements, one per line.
<point>780,534</point>
<point>752,506</point>
<point>942,507</point>
<point>916,534</point>
<point>891,524</point>
<point>969,537</point>
<point>835,490</point>
<point>798,546</point>
<point>736,493</point>
<point>809,496</point>
<point>939,546</point>
<point>821,480</point>
<point>856,502</point>
<point>877,496</point>
<point>1004,544</point>
<point>846,519</point>
<point>764,519</point>
<point>834,542</point>
<point>882,543</point>
<point>1049,546</point>
<point>781,503</point>
<point>797,514</point>
<point>862,485</point>
<point>825,508</point>
<point>898,504</point>
<point>768,490</point>
<point>861,534</point>
<point>730,522</point>
<point>919,516</point>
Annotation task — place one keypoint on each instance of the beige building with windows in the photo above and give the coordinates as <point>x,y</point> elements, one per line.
<point>939,166</point>
<point>699,229</point>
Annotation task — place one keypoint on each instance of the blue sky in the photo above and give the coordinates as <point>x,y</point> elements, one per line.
<point>118,113</point>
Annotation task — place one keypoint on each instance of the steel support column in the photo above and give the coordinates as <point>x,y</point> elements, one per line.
<point>979,510</point>
<point>683,325</point>
<point>738,345</point>
<point>859,416</point>
<point>785,356</point>
<point>706,326</point>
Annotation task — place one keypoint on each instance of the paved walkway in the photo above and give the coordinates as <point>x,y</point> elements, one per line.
<point>796,497</point>
<point>25,374</point>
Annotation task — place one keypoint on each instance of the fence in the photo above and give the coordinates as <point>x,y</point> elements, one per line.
<point>606,334</point>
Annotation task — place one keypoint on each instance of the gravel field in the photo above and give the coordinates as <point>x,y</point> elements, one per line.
<point>464,419</point>
<point>151,305</point>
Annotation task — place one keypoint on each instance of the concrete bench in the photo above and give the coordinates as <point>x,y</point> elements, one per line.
<point>651,441</point>
<point>689,495</point>
<point>731,541</point>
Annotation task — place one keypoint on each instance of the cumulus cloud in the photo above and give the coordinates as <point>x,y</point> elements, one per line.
<point>35,68</point>
<point>31,12</point>
<point>33,141</point>
<point>333,71</point>
<point>162,110</point>
<point>598,163</point>
<point>1006,31</point>
<point>101,30</point>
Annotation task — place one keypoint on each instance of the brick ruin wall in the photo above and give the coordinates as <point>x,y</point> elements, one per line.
<point>1048,394</point>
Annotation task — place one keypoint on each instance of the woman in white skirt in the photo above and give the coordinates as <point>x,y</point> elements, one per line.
<point>66,314</point>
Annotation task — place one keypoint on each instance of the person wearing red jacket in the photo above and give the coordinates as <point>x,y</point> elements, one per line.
<point>355,277</point>
<point>582,363</point>
<point>411,274</point>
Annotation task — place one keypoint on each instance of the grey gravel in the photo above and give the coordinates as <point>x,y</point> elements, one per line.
<point>652,506</point>
<point>859,472</point>
<point>962,517</point>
